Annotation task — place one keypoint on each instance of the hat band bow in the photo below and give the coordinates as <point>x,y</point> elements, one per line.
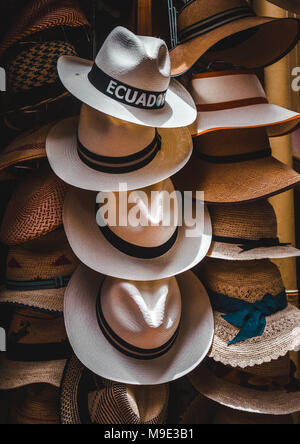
<point>250,244</point>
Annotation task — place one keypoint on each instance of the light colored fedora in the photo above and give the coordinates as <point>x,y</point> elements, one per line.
<point>235,166</point>
<point>247,232</point>
<point>236,99</point>
<point>289,5</point>
<point>136,251</point>
<point>99,152</point>
<point>254,323</point>
<point>38,272</point>
<point>130,80</point>
<point>229,31</point>
<point>269,389</point>
<point>88,399</point>
<point>150,333</point>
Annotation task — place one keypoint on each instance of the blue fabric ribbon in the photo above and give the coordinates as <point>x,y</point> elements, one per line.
<point>250,318</point>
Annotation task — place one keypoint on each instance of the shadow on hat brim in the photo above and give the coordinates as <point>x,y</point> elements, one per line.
<point>45,301</point>
<point>236,182</point>
<point>240,398</point>
<point>289,5</point>
<point>98,355</point>
<point>61,147</point>
<point>258,51</point>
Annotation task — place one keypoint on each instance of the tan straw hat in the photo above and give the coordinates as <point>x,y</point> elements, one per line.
<point>247,232</point>
<point>37,348</point>
<point>236,99</point>
<point>254,323</point>
<point>98,152</point>
<point>150,333</point>
<point>235,166</point>
<point>35,208</point>
<point>231,32</point>
<point>38,272</point>
<point>88,399</point>
<point>270,389</point>
<point>289,5</point>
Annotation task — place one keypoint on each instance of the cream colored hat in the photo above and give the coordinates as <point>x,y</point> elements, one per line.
<point>149,248</point>
<point>150,333</point>
<point>130,80</point>
<point>236,99</point>
<point>99,151</point>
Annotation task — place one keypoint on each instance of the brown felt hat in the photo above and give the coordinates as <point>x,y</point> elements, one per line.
<point>234,166</point>
<point>229,31</point>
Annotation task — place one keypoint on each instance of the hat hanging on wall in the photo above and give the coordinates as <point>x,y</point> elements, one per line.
<point>153,247</point>
<point>289,5</point>
<point>162,332</point>
<point>229,31</point>
<point>99,152</point>
<point>235,166</point>
<point>130,80</point>
<point>109,402</point>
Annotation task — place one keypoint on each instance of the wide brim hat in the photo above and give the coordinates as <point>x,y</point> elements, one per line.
<point>289,5</point>
<point>90,344</point>
<point>91,246</point>
<point>62,152</point>
<point>108,402</point>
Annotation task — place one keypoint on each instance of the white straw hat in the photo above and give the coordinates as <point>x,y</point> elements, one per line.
<point>140,333</point>
<point>130,80</point>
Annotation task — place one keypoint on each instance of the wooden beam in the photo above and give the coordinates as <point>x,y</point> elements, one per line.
<point>144,17</point>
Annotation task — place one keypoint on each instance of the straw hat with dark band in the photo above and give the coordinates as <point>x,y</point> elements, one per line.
<point>231,32</point>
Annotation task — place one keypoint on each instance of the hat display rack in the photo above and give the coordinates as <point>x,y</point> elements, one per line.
<point>117,323</point>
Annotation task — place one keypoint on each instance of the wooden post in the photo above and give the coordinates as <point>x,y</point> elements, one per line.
<point>144,17</point>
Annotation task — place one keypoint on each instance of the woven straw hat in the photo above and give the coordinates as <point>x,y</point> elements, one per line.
<point>38,272</point>
<point>40,15</point>
<point>254,323</point>
<point>127,319</point>
<point>137,251</point>
<point>37,349</point>
<point>99,151</point>
<point>289,5</point>
<point>234,167</point>
<point>107,402</point>
<point>229,417</point>
<point>269,389</point>
<point>130,80</point>
<point>236,99</point>
<point>229,31</point>
<point>35,208</point>
<point>35,404</point>
<point>247,232</point>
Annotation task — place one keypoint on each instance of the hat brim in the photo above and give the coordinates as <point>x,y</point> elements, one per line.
<point>293,6</point>
<point>240,398</point>
<point>95,251</point>
<point>179,109</point>
<point>236,182</point>
<point>49,301</point>
<point>61,147</point>
<point>97,354</point>
<point>261,51</point>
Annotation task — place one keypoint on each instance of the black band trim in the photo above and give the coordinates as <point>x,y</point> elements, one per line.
<point>250,244</point>
<point>234,158</point>
<point>131,96</point>
<point>46,284</point>
<point>38,352</point>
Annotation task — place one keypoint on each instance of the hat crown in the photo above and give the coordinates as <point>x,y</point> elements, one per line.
<point>140,62</point>
<point>144,314</point>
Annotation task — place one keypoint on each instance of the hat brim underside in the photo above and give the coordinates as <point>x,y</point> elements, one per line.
<point>232,252</point>
<point>289,5</point>
<point>40,300</point>
<point>61,147</point>
<point>179,110</point>
<point>98,355</point>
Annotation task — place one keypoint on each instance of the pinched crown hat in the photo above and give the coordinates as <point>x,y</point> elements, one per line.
<point>109,402</point>
<point>236,99</point>
<point>35,208</point>
<point>290,5</point>
<point>229,31</point>
<point>254,323</point>
<point>38,272</point>
<point>130,80</point>
<point>247,232</point>
<point>234,166</point>
<point>99,151</point>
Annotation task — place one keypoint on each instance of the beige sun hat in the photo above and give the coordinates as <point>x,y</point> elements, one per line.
<point>235,166</point>
<point>254,323</point>
<point>130,80</point>
<point>38,272</point>
<point>150,333</point>
<point>108,402</point>
<point>236,99</point>
<point>247,232</point>
<point>99,151</point>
